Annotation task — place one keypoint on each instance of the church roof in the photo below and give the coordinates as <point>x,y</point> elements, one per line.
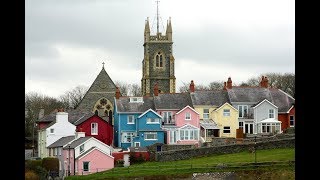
<point>172,101</point>
<point>211,97</point>
<point>103,86</point>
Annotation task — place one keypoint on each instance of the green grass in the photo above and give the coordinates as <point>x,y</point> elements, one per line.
<point>201,164</point>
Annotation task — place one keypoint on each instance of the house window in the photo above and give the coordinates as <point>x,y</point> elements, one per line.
<point>205,113</point>
<point>127,137</point>
<point>54,151</point>
<point>130,119</point>
<point>226,129</point>
<point>226,112</point>
<point>51,130</point>
<point>243,111</point>
<point>136,144</point>
<point>150,136</point>
<point>188,116</point>
<point>81,148</point>
<point>271,113</point>
<point>86,166</point>
<point>94,128</point>
<point>152,121</point>
<point>291,121</point>
<point>59,151</point>
<point>159,60</point>
<point>189,134</point>
<point>167,117</point>
<point>240,124</point>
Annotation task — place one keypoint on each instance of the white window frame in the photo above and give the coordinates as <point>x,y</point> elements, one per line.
<point>240,125</point>
<point>226,113</point>
<point>242,110</point>
<point>135,144</point>
<point>132,118</point>
<point>151,133</point>
<point>166,116</point>
<point>206,115</point>
<point>81,147</point>
<point>226,129</point>
<point>271,113</point>
<point>291,121</point>
<point>186,116</point>
<point>88,170</point>
<point>129,135</point>
<point>59,151</point>
<point>94,130</point>
<point>156,121</point>
<point>185,134</point>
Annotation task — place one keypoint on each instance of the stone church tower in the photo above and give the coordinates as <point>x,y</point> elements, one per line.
<point>158,61</point>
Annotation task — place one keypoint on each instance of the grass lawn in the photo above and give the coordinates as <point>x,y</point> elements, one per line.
<point>201,164</point>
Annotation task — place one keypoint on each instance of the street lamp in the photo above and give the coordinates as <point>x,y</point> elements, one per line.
<point>69,161</point>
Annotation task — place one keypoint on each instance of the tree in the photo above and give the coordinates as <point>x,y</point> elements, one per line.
<point>72,98</point>
<point>135,90</point>
<point>216,85</point>
<point>123,87</point>
<point>33,103</point>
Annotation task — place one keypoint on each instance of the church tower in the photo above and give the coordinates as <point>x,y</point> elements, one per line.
<point>158,61</point>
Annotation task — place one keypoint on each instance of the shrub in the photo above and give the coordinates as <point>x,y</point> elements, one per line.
<point>32,164</point>
<point>119,163</point>
<point>30,175</point>
<point>50,164</point>
<point>136,159</point>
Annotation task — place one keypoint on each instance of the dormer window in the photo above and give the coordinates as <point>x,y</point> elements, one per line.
<point>136,99</point>
<point>159,60</point>
<point>51,130</point>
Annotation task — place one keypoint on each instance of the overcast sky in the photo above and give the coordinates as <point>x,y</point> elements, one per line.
<point>67,41</point>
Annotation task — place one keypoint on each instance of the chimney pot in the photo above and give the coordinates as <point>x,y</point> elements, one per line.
<point>191,87</point>
<point>156,89</point>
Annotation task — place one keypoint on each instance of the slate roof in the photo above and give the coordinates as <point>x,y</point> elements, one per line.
<point>85,153</point>
<point>249,94</point>
<point>281,100</point>
<point>257,94</point>
<point>77,142</point>
<point>172,101</point>
<point>103,86</point>
<point>212,97</point>
<point>124,105</point>
<point>75,117</point>
<point>62,141</point>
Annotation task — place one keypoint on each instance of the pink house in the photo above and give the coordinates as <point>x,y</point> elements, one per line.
<point>80,155</point>
<point>185,129</point>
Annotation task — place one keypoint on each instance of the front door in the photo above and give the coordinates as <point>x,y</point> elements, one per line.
<point>248,128</point>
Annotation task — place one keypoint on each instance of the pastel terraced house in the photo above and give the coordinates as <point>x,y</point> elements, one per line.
<point>81,155</point>
<point>205,102</point>
<point>266,117</point>
<point>51,131</point>
<point>136,124</point>
<point>226,117</point>
<point>244,98</point>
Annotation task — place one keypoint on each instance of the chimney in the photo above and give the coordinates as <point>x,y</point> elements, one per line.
<point>265,83</point>
<point>191,87</point>
<point>261,82</point>
<point>61,117</point>
<point>156,89</point>
<point>229,83</point>
<point>41,113</point>
<point>117,93</point>
<point>225,86</point>
<point>79,133</point>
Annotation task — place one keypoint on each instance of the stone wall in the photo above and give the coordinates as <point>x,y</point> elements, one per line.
<point>174,155</point>
<point>165,147</point>
<point>220,142</point>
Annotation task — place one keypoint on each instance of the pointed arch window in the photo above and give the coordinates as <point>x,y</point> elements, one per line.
<point>159,60</point>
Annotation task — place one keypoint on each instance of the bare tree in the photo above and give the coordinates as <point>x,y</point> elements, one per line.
<point>135,90</point>
<point>72,98</point>
<point>216,85</point>
<point>254,81</point>
<point>123,87</point>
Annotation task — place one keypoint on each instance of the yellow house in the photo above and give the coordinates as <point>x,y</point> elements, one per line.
<point>226,117</point>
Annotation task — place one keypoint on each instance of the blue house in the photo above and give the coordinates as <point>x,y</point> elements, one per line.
<point>149,129</point>
<point>136,123</point>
